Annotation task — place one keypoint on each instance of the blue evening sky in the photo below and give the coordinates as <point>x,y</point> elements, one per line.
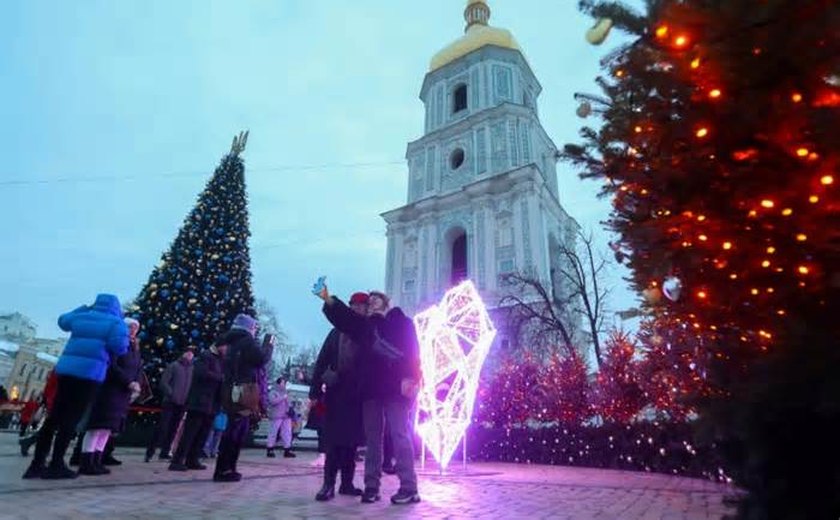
<point>114,115</point>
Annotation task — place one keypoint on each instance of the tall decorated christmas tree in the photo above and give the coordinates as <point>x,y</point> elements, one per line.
<point>720,149</point>
<point>204,280</point>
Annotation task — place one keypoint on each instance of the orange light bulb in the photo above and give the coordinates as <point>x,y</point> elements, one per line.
<point>681,41</point>
<point>767,203</point>
<point>714,94</point>
<point>771,250</point>
<point>802,152</point>
<point>695,63</point>
<point>754,292</point>
<point>701,295</point>
<point>702,132</point>
<point>787,212</point>
<point>801,237</point>
<point>796,97</point>
<point>813,199</point>
<point>826,180</point>
<point>662,31</point>
<point>765,263</point>
<point>803,269</point>
<point>703,238</point>
<point>727,245</point>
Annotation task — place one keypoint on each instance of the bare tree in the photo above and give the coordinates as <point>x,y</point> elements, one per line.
<point>548,313</point>
<point>536,312</point>
<point>269,324</point>
<point>584,275</point>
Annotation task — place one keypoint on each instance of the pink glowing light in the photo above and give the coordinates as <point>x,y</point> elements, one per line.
<point>455,337</point>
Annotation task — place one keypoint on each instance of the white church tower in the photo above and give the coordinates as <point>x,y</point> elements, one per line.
<point>482,190</point>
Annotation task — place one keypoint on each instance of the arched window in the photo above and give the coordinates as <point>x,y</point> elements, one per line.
<point>459,260</point>
<point>459,99</point>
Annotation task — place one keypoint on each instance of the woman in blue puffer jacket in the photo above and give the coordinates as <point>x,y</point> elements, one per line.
<point>97,334</point>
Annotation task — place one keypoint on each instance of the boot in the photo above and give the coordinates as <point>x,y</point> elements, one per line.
<point>76,457</point>
<point>35,470</point>
<point>287,453</point>
<point>26,443</point>
<point>109,460</point>
<point>270,453</point>
<point>326,493</point>
<point>57,470</point>
<point>98,467</point>
<point>86,464</point>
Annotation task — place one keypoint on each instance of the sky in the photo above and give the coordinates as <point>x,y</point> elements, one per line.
<point>115,114</point>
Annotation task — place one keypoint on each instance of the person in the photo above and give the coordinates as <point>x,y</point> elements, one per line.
<point>203,403</point>
<point>390,374</point>
<point>122,383</point>
<point>97,333</point>
<point>174,385</point>
<point>314,422</point>
<point>245,362</point>
<point>280,421</point>
<point>211,447</point>
<point>27,413</point>
<point>388,454</point>
<point>47,399</point>
<point>335,382</point>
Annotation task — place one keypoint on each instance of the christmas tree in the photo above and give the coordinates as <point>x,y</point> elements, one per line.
<point>618,395</point>
<point>720,148</point>
<point>204,280</point>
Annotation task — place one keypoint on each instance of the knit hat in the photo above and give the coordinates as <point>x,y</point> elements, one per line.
<point>359,297</point>
<point>245,322</point>
<point>131,322</point>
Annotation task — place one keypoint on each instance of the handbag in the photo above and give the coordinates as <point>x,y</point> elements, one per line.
<point>245,397</point>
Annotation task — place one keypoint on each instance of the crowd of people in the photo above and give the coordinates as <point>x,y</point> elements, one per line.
<point>363,390</point>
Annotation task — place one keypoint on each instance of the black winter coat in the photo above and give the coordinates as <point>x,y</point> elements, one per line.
<point>114,397</point>
<point>381,377</point>
<point>207,382</point>
<point>246,359</point>
<point>342,422</point>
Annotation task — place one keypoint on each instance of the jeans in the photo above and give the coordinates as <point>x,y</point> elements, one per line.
<point>73,396</point>
<point>196,428</point>
<point>232,440</point>
<point>397,410</point>
<point>211,447</point>
<point>170,417</point>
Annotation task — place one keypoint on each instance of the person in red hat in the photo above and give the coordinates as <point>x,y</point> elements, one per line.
<point>336,386</point>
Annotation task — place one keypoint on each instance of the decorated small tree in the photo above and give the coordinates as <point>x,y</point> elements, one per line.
<point>618,396</point>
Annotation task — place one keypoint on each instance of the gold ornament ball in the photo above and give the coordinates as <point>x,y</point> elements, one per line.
<point>598,33</point>
<point>652,295</point>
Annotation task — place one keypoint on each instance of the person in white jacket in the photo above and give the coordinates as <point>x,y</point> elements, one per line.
<point>281,422</point>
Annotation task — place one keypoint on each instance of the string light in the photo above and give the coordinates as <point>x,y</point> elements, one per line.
<point>801,237</point>
<point>787,212</point>
<point>813,199</point>
<point>695,63</point>
<point>714,94</point>
<point>662,31</point>
<point>802,152</point>
<point>702,132</point>
<point>796,97</point>
<point>727,245</point>
<point>803,269</point>
<point>680,41</point>
<point>826,180</point>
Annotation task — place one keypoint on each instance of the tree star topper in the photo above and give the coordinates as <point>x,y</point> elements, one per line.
<point>454,337</point>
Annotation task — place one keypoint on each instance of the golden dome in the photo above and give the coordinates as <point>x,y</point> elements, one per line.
<point>477,35</point>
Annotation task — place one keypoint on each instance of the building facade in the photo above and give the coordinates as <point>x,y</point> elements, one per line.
<point>25,359</point>
<point>482,197</point>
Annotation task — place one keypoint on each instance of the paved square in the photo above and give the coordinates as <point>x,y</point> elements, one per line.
<point>284,489</point>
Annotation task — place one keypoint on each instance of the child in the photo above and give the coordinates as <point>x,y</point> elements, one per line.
<point>211,447</point>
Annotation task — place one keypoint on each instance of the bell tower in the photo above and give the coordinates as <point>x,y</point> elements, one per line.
<point>482,196</point>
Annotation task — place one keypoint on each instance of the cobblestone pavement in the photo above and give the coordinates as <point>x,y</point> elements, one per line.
<point>284,489</point>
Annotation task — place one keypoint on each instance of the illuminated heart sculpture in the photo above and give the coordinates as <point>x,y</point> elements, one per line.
<point>455,337</point>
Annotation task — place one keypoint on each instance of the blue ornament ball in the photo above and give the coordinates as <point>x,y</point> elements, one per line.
<point>195,333</point>
<point>170,344</point>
